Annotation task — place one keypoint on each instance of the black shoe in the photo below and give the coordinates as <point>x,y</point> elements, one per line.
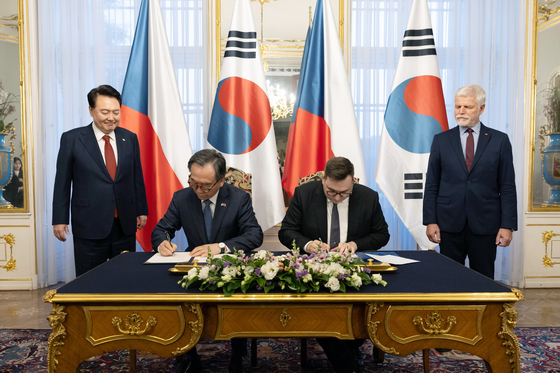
<point>358,360</point>
<point>443,350</point>
<point>189,365</point>
<point>236,367</point>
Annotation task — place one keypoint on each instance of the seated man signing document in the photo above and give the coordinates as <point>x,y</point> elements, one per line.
<point>213,214</point>
<point>216,216</point>
<point>336,215</point>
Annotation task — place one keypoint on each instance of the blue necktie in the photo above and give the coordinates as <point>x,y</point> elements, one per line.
<point>335,227</point>
<point>208,218</point>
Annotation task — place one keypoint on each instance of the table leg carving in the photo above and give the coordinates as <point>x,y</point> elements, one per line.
<point>56,339</point>
<point>509,321</point>
<point>372,326</point>
<point>196,328</point>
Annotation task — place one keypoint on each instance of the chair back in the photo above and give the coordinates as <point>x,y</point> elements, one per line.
<point>240,179</point>
<point>318,176</point>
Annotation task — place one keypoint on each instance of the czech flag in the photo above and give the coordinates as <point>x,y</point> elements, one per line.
<point>241,123</point>
<point>153,110</point>
<point>415,113</point>
<point>324,121</point>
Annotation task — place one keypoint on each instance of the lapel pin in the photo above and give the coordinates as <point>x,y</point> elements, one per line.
<point>123,140</point>
<point>223,205</point>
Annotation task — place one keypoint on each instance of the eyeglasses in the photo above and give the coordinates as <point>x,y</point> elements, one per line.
<point>334,194</point>
<point>204,187</point>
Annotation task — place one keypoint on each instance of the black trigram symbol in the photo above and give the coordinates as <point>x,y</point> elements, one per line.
<point>418,43</point>
<point>413,186</point>
<point>241,44</point>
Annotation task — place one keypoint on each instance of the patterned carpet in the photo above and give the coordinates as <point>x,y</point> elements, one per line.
<point>26,351</point>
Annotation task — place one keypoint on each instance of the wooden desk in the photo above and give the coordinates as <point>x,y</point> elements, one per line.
<point>124,304</point>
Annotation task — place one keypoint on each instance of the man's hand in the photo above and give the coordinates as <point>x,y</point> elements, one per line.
<point>59,230</point>
<point>432,231</point>
<point>203,250</point>
<point>167,248</point>
<point>504,236</point>
<point>141,221</point>
<point>343,247</point>
<point>315,246</point>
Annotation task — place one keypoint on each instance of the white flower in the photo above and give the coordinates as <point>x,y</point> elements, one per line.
<point>307,277</point>
<point>376,277</point>
<point>262,254</point>
<point>232,271</point>
<point>269,270</point>
<point>356,280</point>
<point>203,274</point>
<point>333,284</point>
<point>193,272</point>
<point>226,278</point>
<point>248,270</point>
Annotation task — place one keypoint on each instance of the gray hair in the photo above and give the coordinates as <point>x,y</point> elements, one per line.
<point>473,90</point>
<point>206,156</point>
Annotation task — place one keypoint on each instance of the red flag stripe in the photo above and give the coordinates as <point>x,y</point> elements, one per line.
<point>155,167</point>
<point>309,148</point>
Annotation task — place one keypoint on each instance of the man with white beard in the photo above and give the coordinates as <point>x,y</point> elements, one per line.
<point>470,202</point>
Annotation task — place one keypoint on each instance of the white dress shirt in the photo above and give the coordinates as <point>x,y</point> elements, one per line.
<point>99,137</point>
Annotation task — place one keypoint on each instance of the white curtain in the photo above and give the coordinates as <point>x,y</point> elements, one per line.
<point>478,42</point>
<point>83,44</point>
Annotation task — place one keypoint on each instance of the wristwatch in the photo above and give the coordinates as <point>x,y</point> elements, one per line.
<point>222,247</point>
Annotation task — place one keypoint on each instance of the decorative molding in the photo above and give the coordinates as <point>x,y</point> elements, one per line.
<point>58,334</point>
<point>546,237</point>
<point>432,324</point>
<point>196,328</point>
<point>285,317</point>
<point>11,264</point>
<point>133,323</point>
<point>372,326</point>
<point>509,321</point>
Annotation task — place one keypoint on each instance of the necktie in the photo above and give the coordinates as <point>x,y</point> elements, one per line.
<point>110,161</point>
<point>470,149</point>
<point>335,228</point>
<point>208,218</point>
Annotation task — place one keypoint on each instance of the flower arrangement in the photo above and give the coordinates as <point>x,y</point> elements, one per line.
<point>264,271</point>
<point>6,108</point>
<point>551,110</point>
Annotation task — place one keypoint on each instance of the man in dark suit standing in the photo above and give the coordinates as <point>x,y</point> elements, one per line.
<point>470,202</point>
<point>100,164</point>
<point>336,215</point>
<point>215,216</point>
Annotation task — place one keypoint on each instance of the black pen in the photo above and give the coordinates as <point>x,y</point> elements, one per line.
<point>169,240</point>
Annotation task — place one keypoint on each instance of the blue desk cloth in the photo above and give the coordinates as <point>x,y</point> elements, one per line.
<point>435,273</point>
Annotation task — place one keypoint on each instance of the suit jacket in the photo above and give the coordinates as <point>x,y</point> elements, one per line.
<point>234,221</point>
<point>95,194</point>
<point>306,218</point>
<point>485,196</point>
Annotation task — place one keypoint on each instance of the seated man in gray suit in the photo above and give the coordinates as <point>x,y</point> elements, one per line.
<point>214,215</point>
<point>336,214</point>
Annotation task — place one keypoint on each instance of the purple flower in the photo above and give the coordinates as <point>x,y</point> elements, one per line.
<point>258,272</point>
<point>296,266</point>
<point>227,264</point>
<point>268,283</point>
<point>301,273</point>
<point>259,287</point>
<point>367,270</point>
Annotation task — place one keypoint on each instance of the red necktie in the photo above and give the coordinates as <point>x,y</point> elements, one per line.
<point>470,149</point>
<point>110,161</point>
